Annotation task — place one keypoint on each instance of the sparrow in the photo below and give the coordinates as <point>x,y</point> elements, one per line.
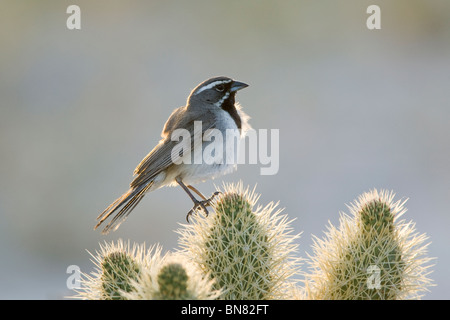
<point>210,109</point>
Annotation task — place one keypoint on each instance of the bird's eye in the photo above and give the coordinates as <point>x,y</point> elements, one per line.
<point>220,87</point>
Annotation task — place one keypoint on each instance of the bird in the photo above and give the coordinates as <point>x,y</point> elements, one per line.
<point>212,105</point>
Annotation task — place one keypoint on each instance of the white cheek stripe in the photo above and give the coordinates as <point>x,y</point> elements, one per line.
<point>219,103</point>
<point>211,85</point>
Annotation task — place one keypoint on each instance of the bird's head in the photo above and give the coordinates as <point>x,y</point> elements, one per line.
<point>217,91</point>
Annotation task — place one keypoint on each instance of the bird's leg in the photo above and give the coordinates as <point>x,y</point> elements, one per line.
<point>207,201</point>
<point>197,203</point>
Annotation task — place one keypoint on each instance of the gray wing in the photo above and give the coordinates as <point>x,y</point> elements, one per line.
<point>156,161</point>
<point>160,158</point>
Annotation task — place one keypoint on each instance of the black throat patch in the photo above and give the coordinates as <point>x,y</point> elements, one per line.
<point>228,106</point>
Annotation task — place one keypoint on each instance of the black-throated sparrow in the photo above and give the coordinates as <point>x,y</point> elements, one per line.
<point>213,103</point>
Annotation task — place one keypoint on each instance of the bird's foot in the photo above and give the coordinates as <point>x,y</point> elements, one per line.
<point>201,205</point>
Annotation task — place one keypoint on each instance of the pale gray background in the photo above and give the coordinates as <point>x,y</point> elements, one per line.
<point>356,109</point>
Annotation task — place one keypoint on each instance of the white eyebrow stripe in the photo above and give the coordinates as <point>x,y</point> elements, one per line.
<point>211,85</point>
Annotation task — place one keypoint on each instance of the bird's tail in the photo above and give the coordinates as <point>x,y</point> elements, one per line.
<point>129,199</point>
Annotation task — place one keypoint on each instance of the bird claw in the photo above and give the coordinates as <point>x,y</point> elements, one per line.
<point>201,204</point>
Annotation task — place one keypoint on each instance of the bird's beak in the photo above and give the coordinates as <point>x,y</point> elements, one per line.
<point>238,86</point>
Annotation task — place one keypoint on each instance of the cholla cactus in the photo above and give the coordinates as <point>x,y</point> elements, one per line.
<point>372,255</point>
<point>172,277</point>
<point>173,282</point>
<point>132,273</point>
<point>243,252</point>
<point>116,266</point>
<point>249,253</point>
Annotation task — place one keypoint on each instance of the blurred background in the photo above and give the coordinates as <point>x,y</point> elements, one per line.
<point>357,109</point>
